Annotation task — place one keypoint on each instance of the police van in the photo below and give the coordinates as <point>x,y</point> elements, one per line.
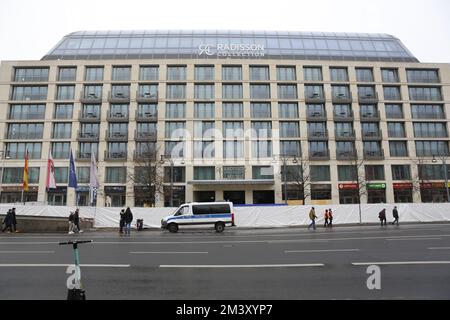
<point>218,214</point>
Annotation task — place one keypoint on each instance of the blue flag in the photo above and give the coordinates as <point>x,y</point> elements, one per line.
<point>72,173</point>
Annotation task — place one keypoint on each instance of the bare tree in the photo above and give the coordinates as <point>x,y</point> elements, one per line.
<point>300,177</point>
<point>420,176</point>
<point>360,179</point>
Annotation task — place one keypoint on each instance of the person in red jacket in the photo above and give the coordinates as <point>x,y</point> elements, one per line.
<point>330,218</point>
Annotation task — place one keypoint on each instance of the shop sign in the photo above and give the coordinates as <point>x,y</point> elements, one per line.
<point>118,189</point>
<point>376,186</point>
<point>432,185</point>
<point>348,186</point>
<point>232,50</point>
<point>400,186</point>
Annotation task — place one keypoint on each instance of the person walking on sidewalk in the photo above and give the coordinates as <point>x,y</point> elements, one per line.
<point>71,224</point>
<point>7,222</point>
<point>382,217</point>
<point>395,214</point>
<point>121,221</point>
<point>313,217</point>
<point>326,218</point>
<point>76,220</point>
<point>128,217</point>
<point>330,218</point>
<point>14,220</point>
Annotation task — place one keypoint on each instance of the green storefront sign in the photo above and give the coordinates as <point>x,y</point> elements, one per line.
<point>376,186</point>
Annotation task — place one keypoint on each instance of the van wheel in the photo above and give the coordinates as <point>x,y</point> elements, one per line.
<point>220,226</point>
<point>173,227</point>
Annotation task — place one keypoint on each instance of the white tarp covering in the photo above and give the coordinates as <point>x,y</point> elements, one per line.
<point>252,216</point>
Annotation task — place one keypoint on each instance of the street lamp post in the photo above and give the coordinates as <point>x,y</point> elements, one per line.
<point>163,158</point>
<point>444,165</point>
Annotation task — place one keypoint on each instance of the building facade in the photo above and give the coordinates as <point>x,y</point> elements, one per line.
<point>250,117</point>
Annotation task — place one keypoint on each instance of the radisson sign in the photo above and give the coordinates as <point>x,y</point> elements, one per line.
<point>232,50</point>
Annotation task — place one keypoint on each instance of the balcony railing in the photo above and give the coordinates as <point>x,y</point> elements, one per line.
<point>319,155</point>
<point>372,135</point>
<point>346,155</point>
<point>315,98</point>
<point>344,116</point>
<point>368,98</point>
<point>146,116</point>
<point>87,136</point>
<point>342,98</point>
<point>144,156</point>
<point>145,136</point>
<point>117,117</point>
<point>119,97</point>
<point>88,116</point>
<point>146,97</point>
<point>116,136</point>
<point>374,155</point>
<point>372,116</point>
<point>115,155</point>
<point>90,98</point>
<point>316,116</point>
<point>319,135</point>
<point>345,135</point>
<point>85,156</point>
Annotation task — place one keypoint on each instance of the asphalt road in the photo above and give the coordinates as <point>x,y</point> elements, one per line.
<point>238,264</point>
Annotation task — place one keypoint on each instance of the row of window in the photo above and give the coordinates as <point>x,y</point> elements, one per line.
<point>230,72</point>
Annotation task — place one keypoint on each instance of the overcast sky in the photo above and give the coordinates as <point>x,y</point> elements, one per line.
<point>30,28</point>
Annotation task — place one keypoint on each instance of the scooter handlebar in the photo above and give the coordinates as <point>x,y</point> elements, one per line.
<point>75,241</point>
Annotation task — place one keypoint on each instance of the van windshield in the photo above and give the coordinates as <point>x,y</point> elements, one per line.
<point>181,211</point>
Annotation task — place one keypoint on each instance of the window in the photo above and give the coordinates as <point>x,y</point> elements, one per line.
<point>431,171</point>
<point>86,148</point>
<point>92,92</point>
<point>204,129</point>
<point>392,93</point>
<point>342,92</point>
<point>90,111</point>
<point>317,129</point>
<point>118,129</point>
<point>286,74</point>
<point>287,91</point>
<point>431,148</point>
<point>233,149</point>
<point>29,93</point>
<point>204,110</point>
<point>90,129</point>
<point>232,91</point>
<point>62,174</point>
<point>61,150</point>
<point>262,173</point>
<point>293,173</point>
<point>231,73</point>
<point>117,150</point>
<point>374,172</point>
<point>176,91</point>
<point>67,74</point>
<point>260,91</point>
<point>15,175</point>
<point>120,91</point>
<point>175,110</point>
<point>118,111</point>
<point>148,110</point>
<point>345,150</point>
<point>261,129</point>
<point>389,75</point>
<point>343,110</point>
<point>425,93</point>
<point>233,129</point>
<point>312,73</point>
<point>430,130</point>
<point>401,172</point>
<point>290,148</point>
<point>25,130</point>
<point>175,130</point>
<point>116,174</point>
<point>261,149</point>
<point>204,91</point>
<point>204,173</point>
<point>366,92</point>
<point>314,91</point>
<point>339,74</point>
<point>427,111</point>
<point>288,110</point>
<point>149,73</point>
<point>320,173</point>
<point>398,148</point>
<point>94,74</point>
<point>204,73</point>
<point>148,91</point>
<point>260,110</point>
<point>396,130</point>
<point>146,150</point>
<point>394,111</point>
<point>318,148</point>
<point>83,174</point>
<point>122,73</point>
<point>65,93</point>
<point>372,148</point>
<point>344,129</point>
<point>320,192</point>
<point>31,74</point>
<point>27,111</point>
<point>422,76</point>
<point>232,110</point>
<point>259,73</point>
<point>176,73</point>
<point>233,173</point>
<point>369,111</point>
<point>364,75</point>
<point>289,129</point>
<point>347,173</point>
<point>62,130</point>
<point>179,174</point>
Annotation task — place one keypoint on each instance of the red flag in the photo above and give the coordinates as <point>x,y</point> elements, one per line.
<point>25,172</point>
<point>51,180</point>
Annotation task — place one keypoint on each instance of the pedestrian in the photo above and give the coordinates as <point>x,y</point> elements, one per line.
<point>76,220</point>
<point>122,220</point>
<point>108,201</point>
<point>382,217</point>
<point>313,217</point>
<point>326,219</point>
<point>395,214</point>
<point>330,218</point>
<point>14,220</point>
<point>71,224</point>
<point>7,222</point>
<point>128,217</point>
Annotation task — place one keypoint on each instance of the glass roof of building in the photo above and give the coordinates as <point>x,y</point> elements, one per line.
<point>207,44</point>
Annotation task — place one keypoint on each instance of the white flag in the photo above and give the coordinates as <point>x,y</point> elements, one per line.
<point>51,179</point>
<point>93,178</point>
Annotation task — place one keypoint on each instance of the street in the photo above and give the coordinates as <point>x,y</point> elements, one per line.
<point>274,264</point>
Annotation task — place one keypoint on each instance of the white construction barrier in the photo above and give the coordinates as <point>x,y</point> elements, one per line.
<point>252,216</point>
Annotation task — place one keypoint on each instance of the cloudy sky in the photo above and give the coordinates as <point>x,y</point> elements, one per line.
<point>30,28</point>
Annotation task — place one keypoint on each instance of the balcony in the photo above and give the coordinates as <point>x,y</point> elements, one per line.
<point>346,155</point>
<point>319,156</point>
<point>145,136</point>
<point>146,116</point>
<point>374,155</point>
<point>146,97</point>
<point>371,116</point>
<point>342,98</point>
<point>316,116</point>
<point>144,156</point>
<point>315,98</point>
<point>369,98</point>
<point>318,135</point>
<point>88,116</point>
<point>119,97</point>
<point>85,156</point>
<point>343,116</point>
<point>87,136</point>
<point>115,155</point>
<point>375,135</point>
<point>345,135</point>
<point>116,136</point>
<point>90,98</point>
<point>117,117</point>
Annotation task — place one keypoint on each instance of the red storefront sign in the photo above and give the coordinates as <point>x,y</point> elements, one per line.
<point>432,185</point>
<point>348,186</point>
<point>402,186</point>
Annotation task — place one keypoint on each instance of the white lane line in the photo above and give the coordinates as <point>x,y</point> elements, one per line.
<point>439,248</point>
<point>319,251</point>
<point>6,265</point>
<point>27,252</point>
<point>246,266</point>
<point>166,252</point>
<point>399,263</point>
<point>420,239</point>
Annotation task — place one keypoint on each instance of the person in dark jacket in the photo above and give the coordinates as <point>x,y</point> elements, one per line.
<point>7,222</point>
<point>14,220</point>
<point>122,221</point>
<point>330,218</point>
<point>395,214</point>
<point>128,217</point>
<point>382,217</point>
<point>76,220</point>
<point>326,218</point>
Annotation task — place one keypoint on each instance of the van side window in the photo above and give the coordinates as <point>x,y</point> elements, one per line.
<point>220,208</point>
<point>201,209</point>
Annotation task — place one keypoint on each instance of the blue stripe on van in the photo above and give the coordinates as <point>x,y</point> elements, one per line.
<point>200,216</point>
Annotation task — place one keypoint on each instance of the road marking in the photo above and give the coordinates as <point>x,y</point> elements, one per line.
<point>399,263</point>
<point>166,252</point>
<point>21,242</point>
<point>439,248</point>
<point>7,252</point>
<point>413,239</point>
<point>318,251</point>
<point>245,266</point>
<point>66,265</point>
